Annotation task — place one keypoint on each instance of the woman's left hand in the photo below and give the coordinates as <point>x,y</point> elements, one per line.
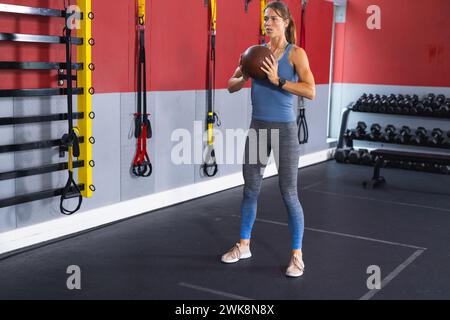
<point>271,69</point>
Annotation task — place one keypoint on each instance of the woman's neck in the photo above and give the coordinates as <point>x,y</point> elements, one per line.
<point>278,43</point>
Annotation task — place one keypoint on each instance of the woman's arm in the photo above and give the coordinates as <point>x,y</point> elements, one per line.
<point>306,87</point>
<point>237,81</point>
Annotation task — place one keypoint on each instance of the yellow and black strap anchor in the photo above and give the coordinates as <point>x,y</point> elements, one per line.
<point>142,166</point>
<point>210,167</point>
<point>70,140</point>
<point>262,29</point>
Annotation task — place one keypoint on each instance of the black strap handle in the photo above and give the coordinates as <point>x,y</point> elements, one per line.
<point>302,127</point>
<point>210,164</point>
<point>70,191</point>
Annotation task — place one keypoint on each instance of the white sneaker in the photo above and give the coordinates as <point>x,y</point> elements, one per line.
<point>296,266</point>
<point>236,253</point>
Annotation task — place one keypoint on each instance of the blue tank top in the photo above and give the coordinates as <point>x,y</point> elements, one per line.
<point>271,103</point>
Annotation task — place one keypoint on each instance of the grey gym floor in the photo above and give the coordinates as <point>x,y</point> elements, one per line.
<point>173,253</point>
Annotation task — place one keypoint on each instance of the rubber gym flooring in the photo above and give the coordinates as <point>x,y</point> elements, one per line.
<point>174,253</point>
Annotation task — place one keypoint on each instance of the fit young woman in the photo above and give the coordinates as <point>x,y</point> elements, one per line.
<point>288,75</point>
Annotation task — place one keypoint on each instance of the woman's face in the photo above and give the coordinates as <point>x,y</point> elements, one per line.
<point>274,25</point>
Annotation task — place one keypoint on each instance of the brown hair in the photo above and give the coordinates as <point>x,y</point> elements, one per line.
<point>283,11</point>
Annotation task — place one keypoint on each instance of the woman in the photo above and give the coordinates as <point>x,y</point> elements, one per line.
<point>288,74</point>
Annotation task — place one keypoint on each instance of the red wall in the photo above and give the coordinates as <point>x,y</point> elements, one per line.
<point>176,39</point>
<point>412,48</point>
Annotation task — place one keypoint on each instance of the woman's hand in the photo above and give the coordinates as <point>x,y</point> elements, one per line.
<point>271,69</point>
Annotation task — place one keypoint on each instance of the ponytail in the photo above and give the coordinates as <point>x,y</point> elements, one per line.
<point>291,34</point>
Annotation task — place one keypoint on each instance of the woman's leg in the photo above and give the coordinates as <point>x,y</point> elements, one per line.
<point>253,170</point>
<point>288,155</point>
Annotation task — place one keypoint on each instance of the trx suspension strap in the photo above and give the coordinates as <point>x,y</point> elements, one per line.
<point>262,39</point>
<point>246,3</point>
<point>143,130</point>
<point>70,139</point>
<point>210,166</point>
<point>301,118</point>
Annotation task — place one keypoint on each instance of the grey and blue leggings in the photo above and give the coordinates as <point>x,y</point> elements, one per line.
<point>286,153</point>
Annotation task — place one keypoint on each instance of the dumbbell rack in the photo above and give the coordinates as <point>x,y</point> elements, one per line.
<point>83,90</point>
<point>345,143</point>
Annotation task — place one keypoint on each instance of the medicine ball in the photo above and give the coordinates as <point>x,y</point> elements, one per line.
<point>252,61</point>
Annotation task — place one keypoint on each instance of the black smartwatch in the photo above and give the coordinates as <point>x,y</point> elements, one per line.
<point>281,83</point>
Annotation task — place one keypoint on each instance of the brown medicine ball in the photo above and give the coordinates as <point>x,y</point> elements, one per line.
<point>252,61</point>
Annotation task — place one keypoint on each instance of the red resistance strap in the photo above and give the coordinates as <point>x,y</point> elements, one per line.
<point>141,163</point>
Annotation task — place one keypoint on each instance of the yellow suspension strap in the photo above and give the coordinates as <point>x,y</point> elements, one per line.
<point>70,139</point>
<point>262,39</point>
<point>142,166</point>
<point>210,165</point>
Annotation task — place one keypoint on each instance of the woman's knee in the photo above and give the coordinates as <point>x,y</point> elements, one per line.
<point>251,193</point>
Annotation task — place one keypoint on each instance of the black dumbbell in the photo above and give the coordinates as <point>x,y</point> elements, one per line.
<point>357,105</point>
<point>392,104</point>
<point>354,156</point>
<point>341,154</point>
<point>446,141</point>
<point>407,165</point>
<point>430,96</point>
<point>367,158</point>
<point>420,166</point>
<point>436,137</point>
<point>420,108</point>
<point>440,99</point>
<point>367,105</point>
<point>436,105</point>
<point>375,132</point>
<point>359,131</point>
<point>408,107</point>
<point>389,133</point>
<point>404,135</point>
<point>445,169</point>
<point>413,109</point>
<point>420,136</point>
<point>376,105</point>
<point>428,109</point>
<point>444,110</point>
<point>384,103</point>
<point>399,107</point>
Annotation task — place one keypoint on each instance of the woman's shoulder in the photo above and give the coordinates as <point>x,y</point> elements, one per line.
<point>296,54</point>
<point>297,50</point>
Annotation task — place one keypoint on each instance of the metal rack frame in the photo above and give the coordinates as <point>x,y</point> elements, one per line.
<point>84,90</point>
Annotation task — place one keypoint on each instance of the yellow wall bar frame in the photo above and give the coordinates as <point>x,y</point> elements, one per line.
<point>84,101</point>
